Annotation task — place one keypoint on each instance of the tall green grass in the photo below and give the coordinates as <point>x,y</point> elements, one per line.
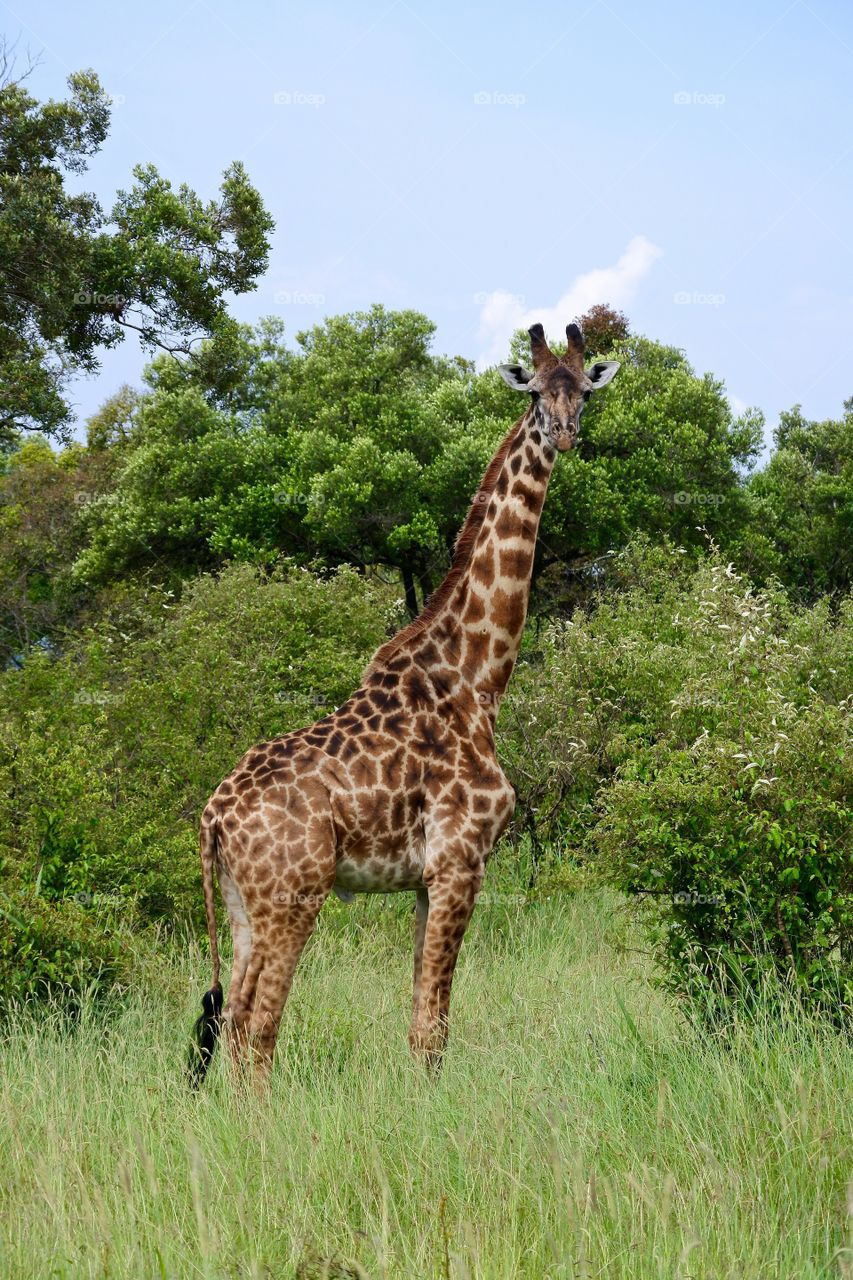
<point>581,1127</point>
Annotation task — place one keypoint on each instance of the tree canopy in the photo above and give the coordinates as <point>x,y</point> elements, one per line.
<point>77,277</point>
<point>354,443</point>
<point>804,498</point>
<point>360,446</point>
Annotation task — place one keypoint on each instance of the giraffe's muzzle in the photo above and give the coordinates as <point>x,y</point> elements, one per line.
<point>565,438</point>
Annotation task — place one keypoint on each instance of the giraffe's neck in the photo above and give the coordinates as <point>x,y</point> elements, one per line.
<point>488,605</point>
<point>468,636</point>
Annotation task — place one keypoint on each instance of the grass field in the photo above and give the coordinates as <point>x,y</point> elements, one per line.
<point>580,1127</point>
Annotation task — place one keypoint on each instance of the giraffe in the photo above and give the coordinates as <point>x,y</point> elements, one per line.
<point>400,788</point>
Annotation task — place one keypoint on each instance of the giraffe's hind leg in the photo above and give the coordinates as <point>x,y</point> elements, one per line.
<point>241,987</point>
<point>284,876</point>
<point>276,948</point>
<point>241,932</point>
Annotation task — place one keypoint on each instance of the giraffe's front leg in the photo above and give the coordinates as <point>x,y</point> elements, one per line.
<point>452,894</point>
<point>421,915</point>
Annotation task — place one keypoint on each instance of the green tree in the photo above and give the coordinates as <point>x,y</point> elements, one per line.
<point>76,278</point>
<point>660,453</point>
<point>804,504</point>
<point>324,452</point>
<point>40,535</point>
<point>360,446</point>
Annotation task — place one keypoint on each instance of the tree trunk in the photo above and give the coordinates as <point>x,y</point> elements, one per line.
<point>425,583</point>
<point>409,588</point>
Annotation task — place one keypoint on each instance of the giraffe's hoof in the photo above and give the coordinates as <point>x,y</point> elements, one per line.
<point>428,1049</point>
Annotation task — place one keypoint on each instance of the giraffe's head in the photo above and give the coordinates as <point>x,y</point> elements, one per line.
<point>559,385</point>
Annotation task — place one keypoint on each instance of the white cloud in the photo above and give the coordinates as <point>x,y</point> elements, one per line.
<point>502,313</point>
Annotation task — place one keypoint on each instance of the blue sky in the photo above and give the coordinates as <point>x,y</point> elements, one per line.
<point>490,164</point>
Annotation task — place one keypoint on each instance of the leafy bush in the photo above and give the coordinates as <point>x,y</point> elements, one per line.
<point>692,739</point>
<point>109,751</point>
<point>60,948</point>
<point>688,739</point>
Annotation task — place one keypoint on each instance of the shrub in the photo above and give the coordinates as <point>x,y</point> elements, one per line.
<point>691,738</point>
<point>109,750</point>
<point>60,948</point>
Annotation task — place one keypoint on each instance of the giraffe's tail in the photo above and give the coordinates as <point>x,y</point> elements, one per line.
<point>208,1025</point>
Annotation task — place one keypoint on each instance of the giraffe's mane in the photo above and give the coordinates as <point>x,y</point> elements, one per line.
<point>462,551</point>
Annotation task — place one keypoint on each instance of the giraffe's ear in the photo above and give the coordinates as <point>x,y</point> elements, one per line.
<point>516,376</point>
<point>602,372</point>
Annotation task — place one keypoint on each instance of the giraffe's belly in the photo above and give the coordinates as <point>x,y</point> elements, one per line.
<point>378,872</point>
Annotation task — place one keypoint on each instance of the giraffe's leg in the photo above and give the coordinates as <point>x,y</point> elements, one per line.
<point>452,895</point>
<point>241,934</point>
<point>421,914</point>
<point>280,944</point>
<point>239,1008</point>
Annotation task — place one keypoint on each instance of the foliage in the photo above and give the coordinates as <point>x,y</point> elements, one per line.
<point>320,452</point>
<point>804,500</point>
<point>110,750</point>
<point>604,330</point>
<point>76,276</point>
<point>693,737</point>
<point>361,447</point>
<point>39,536</point>
<point>65,949</point>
